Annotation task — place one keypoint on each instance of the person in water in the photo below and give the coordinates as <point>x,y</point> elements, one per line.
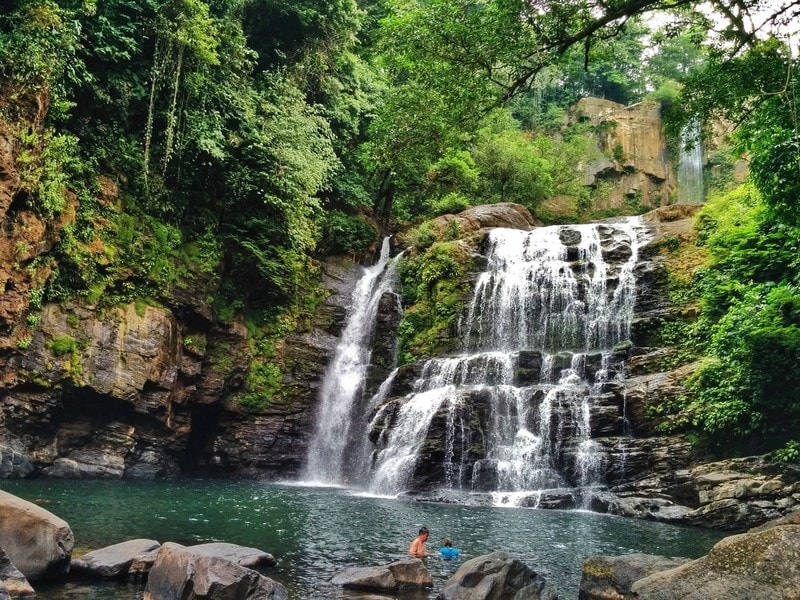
<point>417,548</point>
<point>447,549</point>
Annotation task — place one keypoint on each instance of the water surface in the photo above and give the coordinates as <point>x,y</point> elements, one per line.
<point>316,532</point>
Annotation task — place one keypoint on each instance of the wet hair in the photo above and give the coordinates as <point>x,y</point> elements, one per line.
<point>423,530</point>
<point>448,542</point>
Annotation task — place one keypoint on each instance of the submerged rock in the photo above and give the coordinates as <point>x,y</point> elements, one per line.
<point>112,561</point>
<point>37,542</point>
<point>181,573</point>
<point>496,576</point>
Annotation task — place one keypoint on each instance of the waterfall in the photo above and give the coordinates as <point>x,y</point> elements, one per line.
<point>691,188</point>
<point>539,335</point>
<point>343,382</point>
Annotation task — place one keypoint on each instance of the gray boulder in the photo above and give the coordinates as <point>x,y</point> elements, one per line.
<point>241,555</point>
<point>764,564</point>
<point>606,577</point>
<point>411,573</point>
<point>112,561</point>
<point>180,573</point>
<point>37,542</point>
<point>12,582</point>
<point>496,576</point>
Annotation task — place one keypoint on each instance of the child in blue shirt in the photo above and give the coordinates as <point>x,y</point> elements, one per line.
<point>447,551</point>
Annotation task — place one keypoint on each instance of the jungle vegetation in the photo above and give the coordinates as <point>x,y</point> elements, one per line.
<point>244,139</point>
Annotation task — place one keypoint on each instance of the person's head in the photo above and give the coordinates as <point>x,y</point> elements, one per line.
<point>448,542</point>
<point>424,532</point>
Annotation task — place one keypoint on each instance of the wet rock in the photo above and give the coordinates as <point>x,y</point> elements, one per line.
<point>112,561</point>
<point>496,576</point>
<point>180,573</point>
<point>37,542</point>
<point>763,564</point>
<point>611,577</point>
<point>403,574</point>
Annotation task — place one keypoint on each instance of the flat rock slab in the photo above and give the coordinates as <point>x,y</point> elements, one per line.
<point>112,561</point>
<point>241,555</point>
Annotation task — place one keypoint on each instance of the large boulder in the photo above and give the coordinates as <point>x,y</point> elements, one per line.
<point>12,581</point>
<point>496,576</point>
<point>181,573</point>
<point>37,542</point>
<point>763,564</point>
<point>112,561</point>
<point>402,574</point>
<point>611,577</point>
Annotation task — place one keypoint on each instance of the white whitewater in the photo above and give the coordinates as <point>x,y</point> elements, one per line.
<point>344,378</point>
<point>552,292</point>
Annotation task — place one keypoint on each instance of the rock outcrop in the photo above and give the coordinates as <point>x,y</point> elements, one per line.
<point>180,573</point>
<point>633,135</point>
<point>37,542</point>
<point>496,576</point>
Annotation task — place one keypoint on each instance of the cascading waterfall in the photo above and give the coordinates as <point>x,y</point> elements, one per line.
<point>344,379</point>
<point>691,188</point>
<point>539,337</point>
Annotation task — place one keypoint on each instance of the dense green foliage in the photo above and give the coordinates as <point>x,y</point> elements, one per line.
<point>233,142</point>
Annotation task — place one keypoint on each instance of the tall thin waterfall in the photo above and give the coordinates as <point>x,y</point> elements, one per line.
<point>539,337</point>
<point>691,188</point>
<point>344,379</point>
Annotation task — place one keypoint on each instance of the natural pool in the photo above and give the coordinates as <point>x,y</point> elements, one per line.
<point>316,532</point>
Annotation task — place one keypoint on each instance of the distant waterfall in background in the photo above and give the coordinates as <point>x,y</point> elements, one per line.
<point>343,383</point>
<point>539,337</point>
<point>691,187</point>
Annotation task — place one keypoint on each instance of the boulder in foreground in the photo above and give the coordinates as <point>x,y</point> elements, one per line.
<point>762,564</point>
<point>180,573</point>
<point>497,576</point>
<point>37,542</point>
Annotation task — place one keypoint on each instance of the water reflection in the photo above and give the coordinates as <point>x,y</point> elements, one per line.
<point>317,532</point>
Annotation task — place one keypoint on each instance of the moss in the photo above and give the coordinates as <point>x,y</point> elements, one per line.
<point>63,345</point>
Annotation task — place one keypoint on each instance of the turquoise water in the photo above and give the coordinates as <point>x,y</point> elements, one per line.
<point>316,532</point>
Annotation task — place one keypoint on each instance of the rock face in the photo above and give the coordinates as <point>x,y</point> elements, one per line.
<point>496,576</point>
<point>763,564</point>
<point>112,561</point>
<point>180,573</point>
<point>633,135</point>
<point>403,574</point>
<point>37,542</point>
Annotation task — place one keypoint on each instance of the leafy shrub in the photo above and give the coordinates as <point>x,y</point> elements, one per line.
<point>451,203</point>
<point>343,233</point>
